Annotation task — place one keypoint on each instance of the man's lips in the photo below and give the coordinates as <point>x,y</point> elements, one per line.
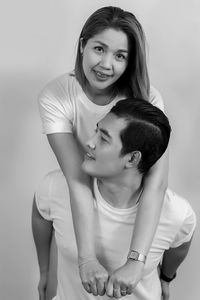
<point>89,156</point>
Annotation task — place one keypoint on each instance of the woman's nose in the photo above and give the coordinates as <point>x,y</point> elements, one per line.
<point>106,61</point>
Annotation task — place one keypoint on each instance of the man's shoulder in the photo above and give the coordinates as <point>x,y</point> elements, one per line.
<point>175,207</point>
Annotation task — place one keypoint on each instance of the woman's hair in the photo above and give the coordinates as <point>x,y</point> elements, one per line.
<point>134,82</point>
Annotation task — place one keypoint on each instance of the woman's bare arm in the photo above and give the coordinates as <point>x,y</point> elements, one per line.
<point>70,160</point>
<point>66,149</point>
<point>150,205</point>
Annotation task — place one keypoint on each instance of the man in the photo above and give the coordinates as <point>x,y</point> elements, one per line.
<point>127,142</point>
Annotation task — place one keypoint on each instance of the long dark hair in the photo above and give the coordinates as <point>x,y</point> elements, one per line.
<point>134,82</point>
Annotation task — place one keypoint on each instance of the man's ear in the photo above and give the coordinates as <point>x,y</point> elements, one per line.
<point>133,159</point>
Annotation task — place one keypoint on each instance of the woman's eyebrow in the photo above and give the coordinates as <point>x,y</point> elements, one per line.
<point>106,46</point>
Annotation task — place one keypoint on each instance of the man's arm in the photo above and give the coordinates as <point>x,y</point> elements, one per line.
<point>172,259</point>
<point>42,234</point>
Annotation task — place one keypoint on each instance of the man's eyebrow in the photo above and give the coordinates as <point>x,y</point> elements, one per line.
<point>101,43</point>
<point>104,131</point>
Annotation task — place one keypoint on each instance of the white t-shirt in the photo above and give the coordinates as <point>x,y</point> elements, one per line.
<point>113,232</point>
<point>64,107</point>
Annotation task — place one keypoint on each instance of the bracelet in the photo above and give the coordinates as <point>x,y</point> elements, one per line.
<point>165,278</point>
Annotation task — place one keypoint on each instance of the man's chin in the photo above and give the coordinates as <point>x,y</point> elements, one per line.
<point>87,169</point>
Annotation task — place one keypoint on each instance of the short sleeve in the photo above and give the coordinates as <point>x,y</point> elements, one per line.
<point>55,108</point>
<point>155,98</point>
<point>186,229</point>
<point>43,197</point>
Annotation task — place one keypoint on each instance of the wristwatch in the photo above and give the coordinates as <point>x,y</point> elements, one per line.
<point>134,255</point>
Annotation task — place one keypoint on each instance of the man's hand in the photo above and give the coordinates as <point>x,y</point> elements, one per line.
<point>165,289</point>
<point>94,277</point>
<point>43,285</point>
<point>123,281</point>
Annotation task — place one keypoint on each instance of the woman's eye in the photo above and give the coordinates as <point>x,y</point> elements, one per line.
<point>120,57</point>
<point>98,49</point>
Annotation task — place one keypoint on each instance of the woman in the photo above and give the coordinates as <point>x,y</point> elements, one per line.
<point>110,65</point>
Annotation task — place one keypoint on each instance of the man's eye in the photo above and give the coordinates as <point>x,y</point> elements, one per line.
<point>98,49</point>
<point>103,140</point>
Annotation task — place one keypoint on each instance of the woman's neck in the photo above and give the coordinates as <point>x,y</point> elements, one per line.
<point>100,97</point>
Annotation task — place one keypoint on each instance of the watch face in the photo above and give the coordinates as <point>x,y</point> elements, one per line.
<point>134,255</point>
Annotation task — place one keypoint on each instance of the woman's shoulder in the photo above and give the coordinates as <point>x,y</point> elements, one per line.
<point>61,82</point>
<point>60,88</point>
<point>155,98</point>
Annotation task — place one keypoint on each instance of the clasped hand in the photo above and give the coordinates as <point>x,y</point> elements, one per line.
<point>121,282</point>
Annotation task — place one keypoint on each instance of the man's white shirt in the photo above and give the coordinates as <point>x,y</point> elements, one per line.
<point>113,232</point>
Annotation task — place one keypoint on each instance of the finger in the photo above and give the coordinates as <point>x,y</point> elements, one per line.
<point>101,287</point>
<point>87,287</point>
<point>93,288</point>
<point>123,290</point>
<point>129,290</point>
<point>116,290</point>
<point>109,289</point>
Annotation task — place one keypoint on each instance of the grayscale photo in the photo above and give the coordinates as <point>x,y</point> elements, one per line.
<point>99,150</point>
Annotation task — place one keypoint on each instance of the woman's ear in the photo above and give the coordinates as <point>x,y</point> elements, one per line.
<point>134,159</point>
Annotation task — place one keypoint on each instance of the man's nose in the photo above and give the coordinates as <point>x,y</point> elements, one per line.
<point>91,143</point>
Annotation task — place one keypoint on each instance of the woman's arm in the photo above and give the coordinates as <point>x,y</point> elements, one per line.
<point>148,214</point>
<point>70,159</point>
<point>150,205</point>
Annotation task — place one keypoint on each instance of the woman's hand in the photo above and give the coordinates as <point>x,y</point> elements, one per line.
<point>94,277</point>
<point>123,280</point>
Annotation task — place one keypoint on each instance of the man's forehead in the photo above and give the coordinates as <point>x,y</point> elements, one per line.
<point>112,124</point>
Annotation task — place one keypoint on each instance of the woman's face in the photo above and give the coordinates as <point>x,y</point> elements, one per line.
<point>105,58</point>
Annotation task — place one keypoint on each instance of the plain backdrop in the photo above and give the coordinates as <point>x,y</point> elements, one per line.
<point>38,42</point>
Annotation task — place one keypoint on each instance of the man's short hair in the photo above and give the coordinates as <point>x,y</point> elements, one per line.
<point>148,130</point>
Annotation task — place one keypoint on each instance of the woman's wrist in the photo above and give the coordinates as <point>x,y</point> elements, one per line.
<point>84,260</point>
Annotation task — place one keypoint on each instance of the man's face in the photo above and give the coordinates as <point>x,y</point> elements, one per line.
<point>103,159</point>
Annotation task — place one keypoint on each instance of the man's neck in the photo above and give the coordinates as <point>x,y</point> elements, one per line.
<point>121,192</point>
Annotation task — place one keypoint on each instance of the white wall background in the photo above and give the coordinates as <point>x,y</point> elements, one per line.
<point>38,40</point>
